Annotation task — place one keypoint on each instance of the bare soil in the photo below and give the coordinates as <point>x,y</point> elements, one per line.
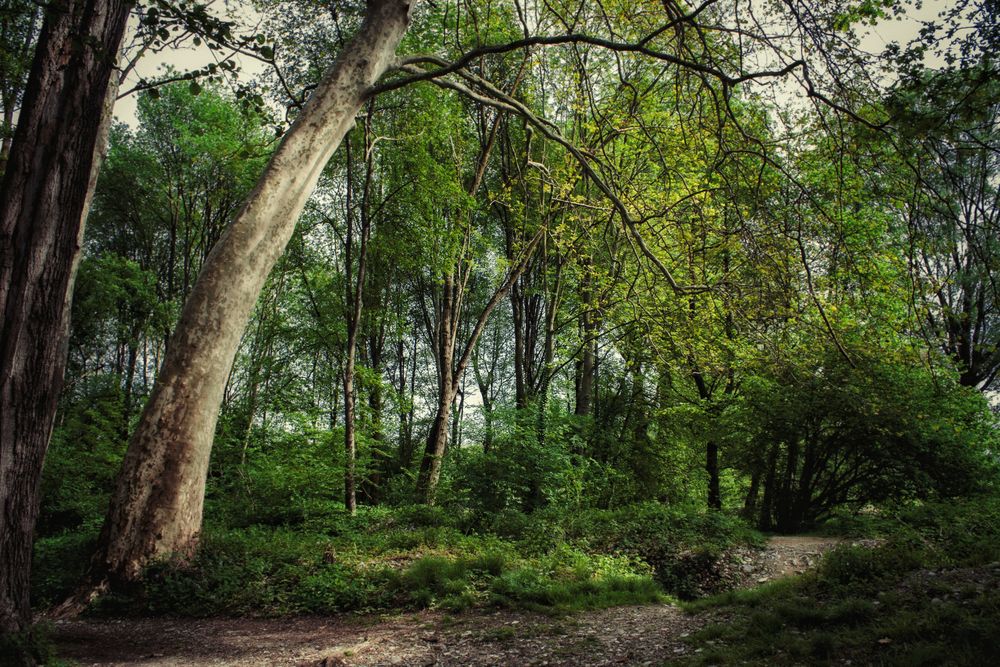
<point>643,635</point>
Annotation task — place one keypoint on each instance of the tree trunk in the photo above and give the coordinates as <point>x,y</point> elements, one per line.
<point>437,440</point>
<point>766,520</point>
<point>712,467</point>
<point>157,506</point>
<point>350,444</point>
<point>585,365</point>
<point>750,503</point>
<point>450,372</point>
<point>354,303</point>
<point>45,193</point>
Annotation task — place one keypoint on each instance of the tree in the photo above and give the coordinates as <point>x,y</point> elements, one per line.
<point>157,505</point>
<point>164,197</point>
<point>951,122</point>
<point>44,196</point>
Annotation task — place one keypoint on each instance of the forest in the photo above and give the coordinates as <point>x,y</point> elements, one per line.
<point>499,332</point>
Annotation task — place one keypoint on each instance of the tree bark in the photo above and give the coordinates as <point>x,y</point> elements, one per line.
<point>712,468</point>
<point>437,440</point>
<point>156,509</point>
<point>46,190</point>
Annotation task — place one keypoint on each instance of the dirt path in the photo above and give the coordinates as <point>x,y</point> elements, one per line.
<point>644,635</point>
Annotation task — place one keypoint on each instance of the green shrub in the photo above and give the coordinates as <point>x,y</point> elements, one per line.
<point>59,564</point>
<point>685,547</point>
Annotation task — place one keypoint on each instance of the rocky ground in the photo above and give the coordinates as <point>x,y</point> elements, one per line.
<point>646,635</point>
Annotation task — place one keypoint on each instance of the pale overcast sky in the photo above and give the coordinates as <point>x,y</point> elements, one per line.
<point>874,40</point>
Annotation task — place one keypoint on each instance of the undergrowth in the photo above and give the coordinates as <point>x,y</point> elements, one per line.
<point>325,561</point>
<point>930,595</point>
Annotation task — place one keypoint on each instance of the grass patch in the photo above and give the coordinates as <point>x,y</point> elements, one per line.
<point>323,561</point>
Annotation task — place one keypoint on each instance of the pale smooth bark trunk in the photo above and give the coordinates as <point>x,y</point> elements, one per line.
<point>350,440</point>
<point>156,509</point>
<point>353,304</point>
<point>44,197</point>
<point>585,365</point>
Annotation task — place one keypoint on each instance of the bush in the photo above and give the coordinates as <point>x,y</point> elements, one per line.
<point>685,547</point>
<point>59,564</point>
<point>833,435</point>
<point>258,572</point>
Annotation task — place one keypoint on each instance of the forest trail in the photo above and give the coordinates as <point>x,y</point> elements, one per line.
<point>643,635</point>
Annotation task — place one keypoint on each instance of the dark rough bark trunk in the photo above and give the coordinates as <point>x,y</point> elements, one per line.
<point>750,502</point>
<point>46,189</point>
<point>712,467</point>
<point>437,440</point>
<point>520,363</point>
<point>13,87</point>
<point>711,448</point>
<point>157,506</point>
<point>766,520</point>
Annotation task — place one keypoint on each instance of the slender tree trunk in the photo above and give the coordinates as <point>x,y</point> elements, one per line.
<point>766,521</point>
<point>450,372</point>
<point>128,397</point>
<point>750,503</point>
<point>407,445</point>
<point>485,385</point>
<point>350,445</point>
<point>12,88</point>
<point>45,192</point>
<point>712,467</point>
<point>585,366</point>
<point>6,141</point>
<point>437,441</point>
<point>156,508</point>
<point>520,363</point>
<point>402,412</point>
<point>353,301</point>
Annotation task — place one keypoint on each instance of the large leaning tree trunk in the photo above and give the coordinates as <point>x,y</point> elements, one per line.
<point>44,196</point>
<point>156,508</point>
